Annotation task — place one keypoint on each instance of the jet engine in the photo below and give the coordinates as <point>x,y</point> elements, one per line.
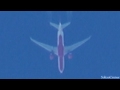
<point>51,56</point>
<point>70,56</point>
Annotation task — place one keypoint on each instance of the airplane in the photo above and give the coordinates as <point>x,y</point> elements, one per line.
<point>60,50</point>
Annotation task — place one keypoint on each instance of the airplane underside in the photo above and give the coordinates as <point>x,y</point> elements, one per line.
<point>60,50</point>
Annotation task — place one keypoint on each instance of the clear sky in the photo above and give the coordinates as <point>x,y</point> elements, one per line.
<point>21,58</point>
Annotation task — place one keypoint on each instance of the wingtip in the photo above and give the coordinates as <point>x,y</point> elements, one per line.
<point>50,23</point>
<point>90,37</point>
<point>30,38</point>
<point>69,22</point>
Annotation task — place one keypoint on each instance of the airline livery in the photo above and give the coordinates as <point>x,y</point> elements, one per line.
<point>60,50</point>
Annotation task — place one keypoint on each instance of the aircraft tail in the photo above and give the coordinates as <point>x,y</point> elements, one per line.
<point>57,26</point>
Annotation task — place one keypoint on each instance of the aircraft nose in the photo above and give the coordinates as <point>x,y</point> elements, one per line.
<point>61,71</point>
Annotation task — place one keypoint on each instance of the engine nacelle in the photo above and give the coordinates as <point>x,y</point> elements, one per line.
<point>51,56</point>
<point>70,56</point>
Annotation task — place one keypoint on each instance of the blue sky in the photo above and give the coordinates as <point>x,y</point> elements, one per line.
<point>21,58</point>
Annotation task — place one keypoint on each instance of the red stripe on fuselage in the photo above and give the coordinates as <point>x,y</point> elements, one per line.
<point>60,47</point>
<point>61,64</point>
<point>61,52</point>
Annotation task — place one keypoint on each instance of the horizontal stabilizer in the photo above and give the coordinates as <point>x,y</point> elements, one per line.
<point>65,25</point>
<point>54,25</point>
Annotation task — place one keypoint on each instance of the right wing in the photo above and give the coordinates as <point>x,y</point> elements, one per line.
<point>76,45</point>
<point>45,46</point>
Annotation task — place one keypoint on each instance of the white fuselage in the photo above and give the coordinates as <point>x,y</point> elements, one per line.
<point>60,47</point>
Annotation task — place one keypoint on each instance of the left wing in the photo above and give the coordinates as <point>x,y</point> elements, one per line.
<point>45,46</point>
<point>74,46</point>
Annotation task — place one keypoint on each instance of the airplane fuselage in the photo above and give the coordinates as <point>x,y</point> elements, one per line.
<point>60,46</point>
